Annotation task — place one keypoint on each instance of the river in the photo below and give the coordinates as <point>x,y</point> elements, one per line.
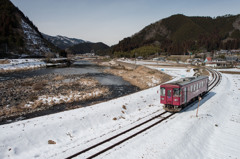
<point>117,86</point>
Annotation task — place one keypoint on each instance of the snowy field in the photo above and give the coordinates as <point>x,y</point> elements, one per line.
<point>144,62</point>
<point>213,134</point>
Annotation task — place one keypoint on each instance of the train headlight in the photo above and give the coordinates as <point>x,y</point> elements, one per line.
<point>175,100</point>
<point>162,98</point>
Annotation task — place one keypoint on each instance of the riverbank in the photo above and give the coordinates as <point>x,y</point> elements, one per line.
<point>44,91</point>
<point>139,76</point>
<point>23,96</point>
<point>16,65</point>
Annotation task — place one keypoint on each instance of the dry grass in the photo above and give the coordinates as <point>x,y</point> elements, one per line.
<point>4,61</point>
<point>201,71</point>
<point>141,77</point>
<point>124,107</point>
<point>58,78</point>
<point>27,82</point>
<point>33,97</point>
<point>179,57</point>
<point>35,94</point>
<point>51,142</point>
<point>69,97</point>
<point>230,72</point>
<point>205,72</point>
<point>40,85</point>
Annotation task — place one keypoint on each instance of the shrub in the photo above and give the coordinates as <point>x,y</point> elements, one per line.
<point>40,85</point>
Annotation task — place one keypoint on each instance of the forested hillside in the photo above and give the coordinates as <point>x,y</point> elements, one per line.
<point>18,35</point>
<point>88,48</point>
<point>180,34</point>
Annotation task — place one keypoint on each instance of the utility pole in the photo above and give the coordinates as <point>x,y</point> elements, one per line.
<point>199,99</point>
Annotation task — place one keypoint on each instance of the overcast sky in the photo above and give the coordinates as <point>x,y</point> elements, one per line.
<point>110,21</point>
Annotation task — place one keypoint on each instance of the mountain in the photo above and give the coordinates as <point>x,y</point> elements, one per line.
<point>19,36</point>
<point>179,34</point>
<point>88,47</point>
<point>63,42</point>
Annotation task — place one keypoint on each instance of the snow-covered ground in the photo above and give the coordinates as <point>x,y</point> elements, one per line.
<point>213,134</point>
<point>22,64</point>
<point>144,62</point>
<point>175,72</point>
<point>17,64</point>
<point>34,42</point>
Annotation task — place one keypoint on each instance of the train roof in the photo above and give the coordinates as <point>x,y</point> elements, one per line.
<point>186,80</point>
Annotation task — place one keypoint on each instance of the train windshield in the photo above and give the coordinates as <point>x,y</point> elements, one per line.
<point>176,92</point>
<point>162,91</point>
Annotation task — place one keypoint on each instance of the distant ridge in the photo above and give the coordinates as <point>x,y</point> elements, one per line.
<point>88,47</point>
<point>63,42</point>
<point>179,34</point>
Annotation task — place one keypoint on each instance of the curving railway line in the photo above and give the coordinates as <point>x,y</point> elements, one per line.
<point>111,142</point>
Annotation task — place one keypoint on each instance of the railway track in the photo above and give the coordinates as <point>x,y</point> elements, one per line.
<point>217,77</point>
<point>111,142</point>
<point>121,137</point>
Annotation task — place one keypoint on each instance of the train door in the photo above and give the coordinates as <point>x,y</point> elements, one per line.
<point>169,96</point>
<point>184,95</point>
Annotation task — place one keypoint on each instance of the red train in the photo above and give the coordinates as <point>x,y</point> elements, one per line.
<point>178,94</point>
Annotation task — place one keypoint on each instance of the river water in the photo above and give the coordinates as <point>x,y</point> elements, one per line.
<point>117,86</point>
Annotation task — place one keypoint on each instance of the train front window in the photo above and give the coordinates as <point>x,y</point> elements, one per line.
<point>176,92</point>
<point>162,91</point>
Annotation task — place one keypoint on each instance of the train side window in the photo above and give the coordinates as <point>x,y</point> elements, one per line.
<point>169,93</point>
<point>191,88</point>
<point>176,92</point>
<point>162,91</point>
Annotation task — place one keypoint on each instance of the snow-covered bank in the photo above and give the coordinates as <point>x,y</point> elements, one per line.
<point>29,138</point>
<point>11,65</point>
<point>21,64</point>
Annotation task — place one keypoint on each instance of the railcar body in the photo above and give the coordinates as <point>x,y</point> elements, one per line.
<point>178,94</point>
